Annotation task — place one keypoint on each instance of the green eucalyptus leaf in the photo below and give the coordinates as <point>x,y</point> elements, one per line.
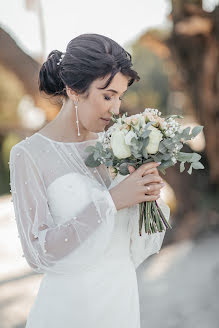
<point>174,116</point>
<point>195,157</point>
<point>162,170</point>
<point>166,156</point>
<point>91,162</point>
<point>162,149</point>
<point>185,132</point>
<point>89,149</point>
<point>123,169</point>
<point>182,167</point>
<point>145,142</point>
<point>166,164</point>
<point>190,169</point>
<point>168,143</point>
<point>96,155</point>
<point>146,133</point>
<point>145,153</point>
<point>197,165</point>
<point>108,163</point>
<point>196,130</point>
<point>184,157</point>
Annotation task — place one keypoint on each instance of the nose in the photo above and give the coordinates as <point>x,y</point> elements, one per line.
<point>115,108</point>
<point>115,111</point>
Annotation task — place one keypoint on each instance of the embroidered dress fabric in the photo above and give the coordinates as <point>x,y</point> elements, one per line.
<point>59,204</point>
<point>71,231</point>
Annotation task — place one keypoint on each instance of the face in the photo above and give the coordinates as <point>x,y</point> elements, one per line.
<point>101,103</point>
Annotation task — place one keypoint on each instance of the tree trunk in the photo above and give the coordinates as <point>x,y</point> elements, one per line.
<point>194,44</point>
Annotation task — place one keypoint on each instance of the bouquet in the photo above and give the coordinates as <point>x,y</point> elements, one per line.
<point>143,138</point>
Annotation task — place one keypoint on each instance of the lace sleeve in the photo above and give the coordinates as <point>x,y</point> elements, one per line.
<point>48,247</point>
<point>141,247</point>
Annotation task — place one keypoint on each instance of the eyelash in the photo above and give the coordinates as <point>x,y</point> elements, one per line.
<point>108,98</point>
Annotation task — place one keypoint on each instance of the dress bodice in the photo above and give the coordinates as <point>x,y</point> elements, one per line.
<point>78,187</point>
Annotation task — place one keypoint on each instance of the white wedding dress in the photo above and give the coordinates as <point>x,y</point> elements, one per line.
<point>71,231</point>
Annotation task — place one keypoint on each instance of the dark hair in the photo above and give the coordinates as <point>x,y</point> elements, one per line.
<point>87,57</point>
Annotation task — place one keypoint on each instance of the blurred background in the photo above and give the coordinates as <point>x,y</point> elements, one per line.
<point>175,50</point>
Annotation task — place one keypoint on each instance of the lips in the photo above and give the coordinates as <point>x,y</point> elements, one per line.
<point>106,121</point>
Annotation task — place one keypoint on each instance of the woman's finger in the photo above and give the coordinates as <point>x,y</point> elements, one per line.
<point>151,171</point>
<point>131,169</point>
<point>154,188</point>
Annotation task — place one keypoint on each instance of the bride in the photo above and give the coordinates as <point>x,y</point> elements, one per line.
<point>77,225</point>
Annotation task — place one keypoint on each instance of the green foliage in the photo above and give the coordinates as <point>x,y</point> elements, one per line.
<point>10,140</point>
<point>152,89</point>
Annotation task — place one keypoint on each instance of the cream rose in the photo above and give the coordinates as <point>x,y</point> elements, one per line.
<point>154,140</point>
<point>118,145</point>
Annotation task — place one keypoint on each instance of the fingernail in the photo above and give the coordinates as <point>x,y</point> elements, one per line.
<point>159,163</point>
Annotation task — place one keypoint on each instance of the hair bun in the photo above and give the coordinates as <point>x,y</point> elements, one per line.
<point>49,78</point>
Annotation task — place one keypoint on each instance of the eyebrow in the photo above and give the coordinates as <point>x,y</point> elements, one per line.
<point>116,91</point>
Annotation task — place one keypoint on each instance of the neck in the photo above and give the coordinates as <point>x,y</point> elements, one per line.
<point>65,123</point>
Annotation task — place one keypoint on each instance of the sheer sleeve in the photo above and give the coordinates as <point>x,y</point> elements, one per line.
<point>49,247</point>
<point>141,247</point>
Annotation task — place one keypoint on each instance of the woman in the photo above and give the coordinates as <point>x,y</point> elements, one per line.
<point>76,225</point>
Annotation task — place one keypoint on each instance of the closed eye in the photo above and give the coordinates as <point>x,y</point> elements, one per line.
<point>108,98</point>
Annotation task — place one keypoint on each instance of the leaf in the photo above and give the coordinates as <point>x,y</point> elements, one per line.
<point>89,149</point>
<point>166,156</point>
<point>145,142</point>
<point>185,132</point>
<point>96,155</point>
<point>91,162</point>
<point>168,143</point>
<point>157,158</point>
<point>145,153</point>
<point>146,133</point>
<point>162,149</point>
<point>166,164</point>
<point>99,146</point>
<point>123,169</point>
<point>173,116</point>
<point>182,167</point>
<point>108,163</point>
<point>190,169</point>
<point>197,165</point>
<point>184,157</point>
<point>162,170</point>
<point>195,157</point>
<point>196,130</point>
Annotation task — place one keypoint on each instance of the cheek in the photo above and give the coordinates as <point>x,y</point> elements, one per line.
<point>91,114</point>
<point>99,108</point>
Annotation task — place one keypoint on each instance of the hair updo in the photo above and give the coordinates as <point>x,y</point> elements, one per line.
<point>87,57</point>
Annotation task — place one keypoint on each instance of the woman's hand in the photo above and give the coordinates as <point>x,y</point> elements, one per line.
<point>154,188</point>
<point>134,189</point>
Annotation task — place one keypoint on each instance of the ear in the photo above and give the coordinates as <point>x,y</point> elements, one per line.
<point>71,94</point>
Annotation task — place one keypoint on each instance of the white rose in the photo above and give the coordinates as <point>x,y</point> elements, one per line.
<point>129,137</point>
<point>154,140</point>
<point>119,147</point>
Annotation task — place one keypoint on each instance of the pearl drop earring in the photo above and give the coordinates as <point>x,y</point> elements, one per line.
<point>77,122</point>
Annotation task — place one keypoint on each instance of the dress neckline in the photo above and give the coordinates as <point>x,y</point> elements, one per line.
<point>68,143</point>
